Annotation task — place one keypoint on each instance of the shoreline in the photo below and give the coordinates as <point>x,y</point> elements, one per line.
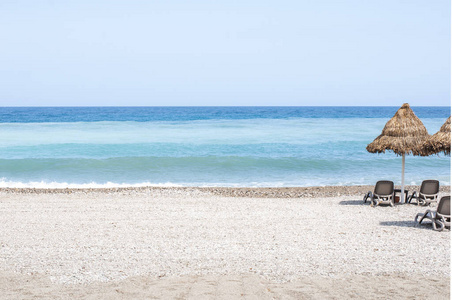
<point>249,192</point>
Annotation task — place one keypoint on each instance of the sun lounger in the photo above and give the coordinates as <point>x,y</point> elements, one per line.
<point>383,193</point>
<point>428,193</point>
<point>440,218</point>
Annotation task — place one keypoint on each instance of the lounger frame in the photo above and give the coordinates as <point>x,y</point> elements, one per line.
<point>440,220</point>
<point>376,198</point>
<point>423,198</point>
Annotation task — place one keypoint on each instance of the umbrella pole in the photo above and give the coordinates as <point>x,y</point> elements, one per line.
<point>402,194</point>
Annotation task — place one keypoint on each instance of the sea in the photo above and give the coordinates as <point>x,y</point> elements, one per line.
<point>81,147</point>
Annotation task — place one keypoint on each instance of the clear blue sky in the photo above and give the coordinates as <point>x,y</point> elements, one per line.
<point>248,52</point>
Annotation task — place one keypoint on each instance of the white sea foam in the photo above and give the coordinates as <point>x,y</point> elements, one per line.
<point>91,185</point>
<point>62,185</point>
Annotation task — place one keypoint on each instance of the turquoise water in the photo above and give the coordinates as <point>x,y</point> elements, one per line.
<point>206,146</point>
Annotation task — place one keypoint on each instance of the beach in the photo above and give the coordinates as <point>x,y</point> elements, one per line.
<point>223,149</point>
<point>213,243</point>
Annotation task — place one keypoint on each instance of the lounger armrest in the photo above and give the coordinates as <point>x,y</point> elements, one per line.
<point>442,217</point>
<point>427,199</point>
<point>428,195</point>
<point>384,196</point>
<point>389,198</point>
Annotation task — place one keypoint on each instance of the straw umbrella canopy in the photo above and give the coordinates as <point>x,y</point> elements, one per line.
<point>403,134</point>
<point>439,142</point>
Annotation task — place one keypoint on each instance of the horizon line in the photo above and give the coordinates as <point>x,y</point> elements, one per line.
<point>86,106</point>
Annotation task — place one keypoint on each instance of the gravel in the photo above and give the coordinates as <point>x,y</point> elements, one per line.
<point>83,236</point>
<point>250,192</point>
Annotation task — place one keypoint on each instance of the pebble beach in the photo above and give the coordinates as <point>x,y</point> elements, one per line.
<point>211,243</point>
<point>199,150</point>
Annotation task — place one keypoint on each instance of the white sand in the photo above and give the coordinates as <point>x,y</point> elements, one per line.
<point>195,245</point>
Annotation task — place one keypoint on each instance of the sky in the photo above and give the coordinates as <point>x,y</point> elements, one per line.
<point>225,52</point>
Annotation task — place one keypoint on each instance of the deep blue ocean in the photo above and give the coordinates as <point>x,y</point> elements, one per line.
<point>206,146</point>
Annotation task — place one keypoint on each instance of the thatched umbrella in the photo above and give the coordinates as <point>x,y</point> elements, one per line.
<point>439,142</point>
<point>403,134</point>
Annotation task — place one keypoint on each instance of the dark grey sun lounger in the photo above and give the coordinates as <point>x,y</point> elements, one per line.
<point>428,193</point>
<point>440,218</point>
<point>383,193</point>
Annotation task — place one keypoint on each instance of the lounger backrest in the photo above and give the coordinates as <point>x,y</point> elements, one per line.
<point>430,187</point>
<point>444,206</point>
<point>384,187</point>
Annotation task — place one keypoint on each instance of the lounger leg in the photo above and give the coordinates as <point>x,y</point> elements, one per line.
<point>439,223</point>
<point>422,215</point>
<point>413,196</point>
<point>377,202</point>
<point>366,196</point>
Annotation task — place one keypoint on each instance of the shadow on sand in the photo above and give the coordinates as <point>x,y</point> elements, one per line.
<point>353,202</point>
<point>425,225</point>
<point>399,223</point>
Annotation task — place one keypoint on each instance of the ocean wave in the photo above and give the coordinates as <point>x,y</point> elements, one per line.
<point>242,164</point>
<point>217,171</point>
